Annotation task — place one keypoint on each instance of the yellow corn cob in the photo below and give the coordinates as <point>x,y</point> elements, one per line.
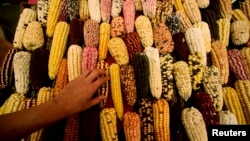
<point>240,32</point>
<point>233,104</point>
<point>118,50</point>
<point>184,20</point>
<point>116,8</point>
<point>21,65</point>
<point>84,10</point>
<point>144,28</point>
<point>103,40</point>
<point>33,37</point>
<point>194,124</point>
<point>28,15</point>
<point>154,71</point>
<point>95,10</point>
<point>13,104</point>
<point>132,126</point>
<point>242,88</point>
<point>223,33</point>
<point>149,8</point>
<point>245,7</point>
<point>225,8</point>
<point>203,3</point>
<point>245,51</point>
<point>116,92</point>
<point>161,116</point>
<point>192,10</point>
<point>183,79</point>
<point>138,5</point>
<point>58,48</point>
<point>74,61</point>
<point>178,5</point>
<point>108,124</point>
<point>62,77</point>
<point>237,14</point>
<point>53,14</point>
<point>227,118</point>
<point>42,11</point>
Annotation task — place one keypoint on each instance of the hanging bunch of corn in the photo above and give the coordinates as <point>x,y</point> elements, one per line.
<point>154,71</point>
<point>183,79</point>
<point>161,117</point>
<point>149,8</point>
<point>192,10</point>
<point>194,124</point>
<point>21,65</point>
<point>242,88</point>
<point>166,62</point>
<point>63,12</point>
<point>219,59</point>
<point>76,32</point>
<point>91,33</point>
<point>104,89</point>
<point>173,22</point>
<point>7,71</point>
<point>240,32</point>
<point>212,86</point>
<point>71,131</point>
<point>116,7</point>
<point>95,10</point>
<point>42,11</point>
<point>129,15</point>
<point>73,9</point>
<point>74,61</point>
<point>128,84</point>
<point>227,118</point>
<point>117,28</point>
<point>83,10</point>
<point>245,51</point>
<point>185,23</point>
<point>58,48</point>
<point>28,15</point>
<point>132,126</point>
<point>105,7</point>
<point>89,57</point>
<point>13,104</point>
<point>53,15</point>
<point>223,30</point>
<point>233,104</point>
<point>103,40</point>
<point>108,124</point>
<point>245,7</point>
<point>118,50</point>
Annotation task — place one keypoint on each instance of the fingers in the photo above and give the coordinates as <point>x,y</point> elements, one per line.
<point>96,100</point>
<point>94,74</point>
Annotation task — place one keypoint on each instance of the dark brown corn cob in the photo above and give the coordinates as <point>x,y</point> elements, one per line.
<point>76,32</point>
<point>91,33</point>
<point>63,13</point>
<point>181,49</point>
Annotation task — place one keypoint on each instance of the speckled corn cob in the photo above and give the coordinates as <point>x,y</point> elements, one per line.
<point>105,6</point>
<point>227,118</point>
<point>42,11</point>
<point>203,4</point>
<point>76,32</point>
<point>128,84</point>
<point>95,10</point>
<point>74,61</point>
<point>166,62</point>
<point>223,30</point>
<point>53,14</point>
<point>117,27</point>
<point>149,8</point>
<point>237,65</point>
<point>117,49</point>
<point>184,20</point>
<point>83,10</point>
<point>183,79</point>
<point>132,126</point>
<point>212,86</point>
<point>116,8</point>
<point>63,11</point>
<point>13,104</point>
<point>144,29</point>
<point>162,38</point>
<point>233,104</point>
<point>89,57</point>
<point>21,65</point>
<point>173,22</point>
<point>73,8</point>
<point>242,88</point>
<point>219,59</point>
<point>103,40</point>
<point>163,10</point>
<point>245,7</point>
<point>129,15</point>
<point>245,54</point>
<point>192,10</point>
<point>62,77</point>
<point>91,33</point>
<point>194,124</point>
<point>240,32</point>
<point>28,15</point>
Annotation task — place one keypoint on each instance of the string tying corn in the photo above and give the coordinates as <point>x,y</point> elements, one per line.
<point>117,27</point>
<point>132,126</point>
<point>91,33</point>
<point>95,10</point>
<point>227,118</point>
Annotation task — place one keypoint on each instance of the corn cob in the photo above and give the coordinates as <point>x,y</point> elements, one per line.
<point>154,71</point>
<point>74,61</point>
<point>7,71</point>
<point>108,124</point>
<point>28,15</point>
<point>238,14</point>
<point>104,89</point>
<point>58,48</point>
<point>53,14</point>
<point>245,54</point>
<point>128,84</point>
<point>103,40</point>
<point>166,62</point>
<point>141,68</point>
<point>233,104</point>
<point>91,33</point>
<point>13,104</point>
<point>138,5</point>
<point>83,10</point>
<point>21,65</point>
<point>219,59</point>
<point>203,4</point>
<point>144,30</point>
<point>223,8</point>
<point>163,39</point>
<point>117,28</point>
<point>145,111</point>
<point>178,5</point>
<point>227,118</point>
<point>71,131</point>
<point>116,8</point>
<point>237,65</point>
<point>95,10</point>
<point>89,58</point>
<point>132,127</point>
<point>183,79</point>
<point>42,11</point>
<point>192,10</point>
<point>63,11</point>
<point>245,7</point>
<point>76,32</point>
<point>243,91</point>
<point>73,9</point>
<point>149,8</point>
<point>118,50</point>
<point>223,32</point>
<point>166,9</point>
<point>161,118</point>
<point>129,15</point>
<point>203,26</point>
<point>194,124</point>
<point>173,22</point>
<point>240,32</point>
<point>133,44</point>
<point>62,77</point>
<point>116,92</point>
<point>181,49</point>
<point>105,6</point>
<point>184,21</point>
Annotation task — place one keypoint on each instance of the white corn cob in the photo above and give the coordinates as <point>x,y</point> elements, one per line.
<point>42,11</point>
<point>203,3</point>
<point>227,118</point>
<point>116,8</point>
<point>95,10</point>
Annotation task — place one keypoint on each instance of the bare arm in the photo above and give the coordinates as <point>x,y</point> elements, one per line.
<point>76,96</point>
